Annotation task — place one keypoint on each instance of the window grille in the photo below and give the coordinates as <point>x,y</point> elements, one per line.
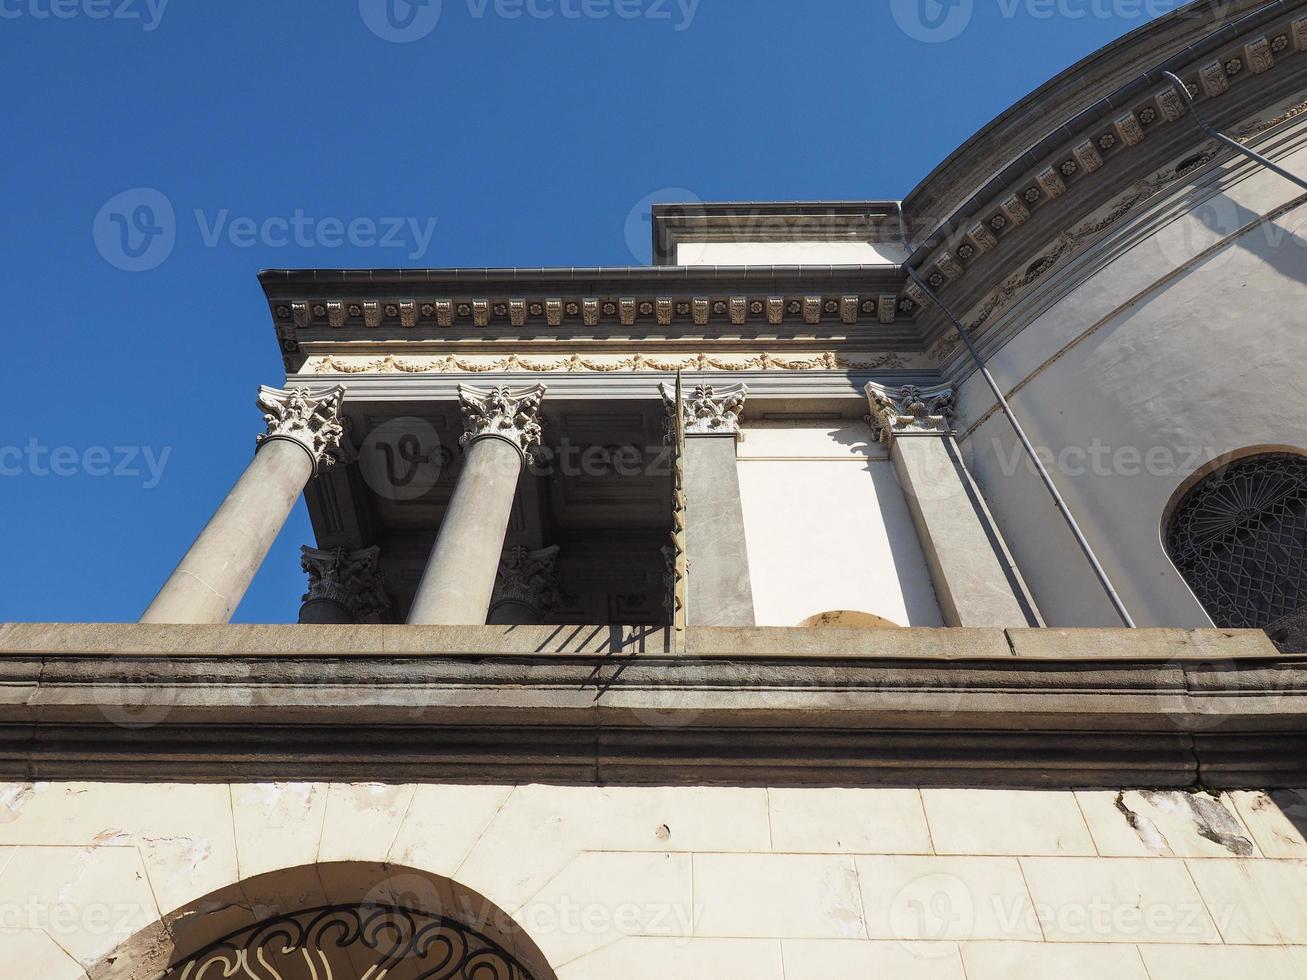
<point>1239,538</point>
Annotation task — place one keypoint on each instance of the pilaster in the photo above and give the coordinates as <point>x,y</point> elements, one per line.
<point>976,579</point>
<point>719,586</point>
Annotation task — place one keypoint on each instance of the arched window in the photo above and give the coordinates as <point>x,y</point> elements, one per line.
<point>364,921</point>
<point>1239,538</point>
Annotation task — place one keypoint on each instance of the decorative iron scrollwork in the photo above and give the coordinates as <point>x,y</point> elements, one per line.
<point>355,942</point>
<point>1239,538</point>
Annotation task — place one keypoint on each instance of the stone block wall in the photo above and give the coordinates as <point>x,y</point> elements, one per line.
<point>720,883</point>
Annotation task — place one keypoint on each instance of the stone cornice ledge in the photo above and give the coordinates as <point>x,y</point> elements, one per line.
<point>607,705</point>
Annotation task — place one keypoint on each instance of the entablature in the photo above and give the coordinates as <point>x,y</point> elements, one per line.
<point>323,312</point>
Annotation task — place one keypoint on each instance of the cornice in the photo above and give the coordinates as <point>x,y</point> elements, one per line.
<point>312,310</point>
<point>1094,170</point>
<point>1100,86</point>
<point>759,707</point>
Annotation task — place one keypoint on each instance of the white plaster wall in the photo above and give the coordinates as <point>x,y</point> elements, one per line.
<point>1189,345</point>
<point>695,882</point>
<point>828,528</point>
<point>788,253</point>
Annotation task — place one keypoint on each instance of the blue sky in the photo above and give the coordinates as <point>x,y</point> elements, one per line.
<point>496,132</point>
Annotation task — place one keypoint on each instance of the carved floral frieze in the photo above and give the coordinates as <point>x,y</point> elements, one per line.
<point>572,363</point>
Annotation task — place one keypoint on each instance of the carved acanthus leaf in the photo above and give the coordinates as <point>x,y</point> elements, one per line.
<point>310,418</point>
<point>504,413</point>
<point>528,577</point>
<point>349,579</point>
<point>910,410</point>
<point>708,412</point>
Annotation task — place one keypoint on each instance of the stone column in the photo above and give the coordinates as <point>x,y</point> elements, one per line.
<point>304,431</point>
<point>500,427</point>
<point>976,579</point>
<point>344,586</point>
<point>719,588</point>
<point>526,589</point>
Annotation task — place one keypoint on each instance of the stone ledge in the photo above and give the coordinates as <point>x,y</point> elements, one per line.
<point>764,707</point>
<point>546,642</point>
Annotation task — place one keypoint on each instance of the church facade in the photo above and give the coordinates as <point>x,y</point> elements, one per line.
<point>708,619</point>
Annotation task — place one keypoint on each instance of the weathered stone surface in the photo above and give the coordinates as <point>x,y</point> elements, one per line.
<point>1165,823</point>
<point>1199,646</point>
<point>906,644</point>
<point>1276,819</point>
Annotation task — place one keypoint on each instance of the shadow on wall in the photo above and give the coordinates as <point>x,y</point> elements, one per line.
<point>922,609</point>
<point>338,919</point>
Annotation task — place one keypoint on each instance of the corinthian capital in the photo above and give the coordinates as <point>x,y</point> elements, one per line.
<point>311,419</point>
<point>529,578</point>
<point>708,412</point>
<point>349,579</point>
<point>910,411</point>
<point>502,413</point>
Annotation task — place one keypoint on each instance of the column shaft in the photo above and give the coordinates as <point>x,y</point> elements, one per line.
<point>459,580</point>
<point>324,612</point>
<point>211,580</point>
